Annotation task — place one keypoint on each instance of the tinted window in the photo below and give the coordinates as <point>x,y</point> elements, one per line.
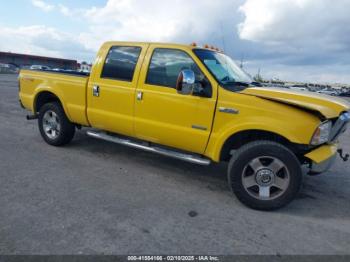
<point>121,62</point>
<point>165,66</point>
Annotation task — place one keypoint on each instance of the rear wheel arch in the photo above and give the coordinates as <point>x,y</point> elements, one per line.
<point>45,97</point>
<point>237,140</point>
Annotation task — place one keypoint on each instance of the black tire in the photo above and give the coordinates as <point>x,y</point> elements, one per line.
<point>67,129</point>
<point>240,164</point>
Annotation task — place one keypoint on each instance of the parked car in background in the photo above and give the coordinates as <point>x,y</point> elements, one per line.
<point>346,94</point>
<point>299,88</point>
<point>84,71</point>
<point>328,92</point>
<point>39,67</point>
<point>277,85</point>
<point>8,69</point>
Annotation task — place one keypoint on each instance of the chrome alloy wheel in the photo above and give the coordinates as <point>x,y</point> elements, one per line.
<point>51,124</point>
<point>265,178</point>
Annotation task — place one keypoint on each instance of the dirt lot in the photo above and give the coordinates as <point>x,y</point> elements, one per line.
<point>93,197</point>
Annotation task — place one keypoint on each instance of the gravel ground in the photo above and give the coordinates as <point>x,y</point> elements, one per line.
<point>94,197</point>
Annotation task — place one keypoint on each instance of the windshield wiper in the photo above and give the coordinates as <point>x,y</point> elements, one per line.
<point>241,83</point>
<point>237,86</point>
<point>256,84</point>
<point>237,83</point>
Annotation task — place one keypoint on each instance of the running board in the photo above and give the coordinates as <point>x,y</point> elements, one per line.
<point>195,159</point>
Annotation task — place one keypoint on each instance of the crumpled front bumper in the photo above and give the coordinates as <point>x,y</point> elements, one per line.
<point>322,158</point>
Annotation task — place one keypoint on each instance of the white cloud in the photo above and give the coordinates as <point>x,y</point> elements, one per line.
<point>299,39</point>
<point>41,40</point>
<point>328,73</point>
<point>74,13</point>
<point>43,5</point>
<point>297,25</point>
<point>21,39</point>
<point>154,20</point>
<point>65,10</point>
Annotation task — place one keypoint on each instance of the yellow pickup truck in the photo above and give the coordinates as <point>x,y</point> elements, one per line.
<point>197,105</point>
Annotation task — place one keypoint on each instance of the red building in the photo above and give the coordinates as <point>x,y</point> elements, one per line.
<point>21,60</point>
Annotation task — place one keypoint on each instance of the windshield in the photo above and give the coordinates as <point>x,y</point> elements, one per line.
<point>224,69</point>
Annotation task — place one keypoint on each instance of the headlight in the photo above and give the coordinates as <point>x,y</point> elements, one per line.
<point>322,134</point>
<point>345,117</point>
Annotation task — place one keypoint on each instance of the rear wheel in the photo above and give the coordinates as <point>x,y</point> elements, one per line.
<point>265,175</point>
<point>54,126</point>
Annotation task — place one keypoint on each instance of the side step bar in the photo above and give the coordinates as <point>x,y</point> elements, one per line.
<point>195,159</point>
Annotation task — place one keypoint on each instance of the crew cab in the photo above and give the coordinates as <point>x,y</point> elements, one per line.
<point>197,105</point>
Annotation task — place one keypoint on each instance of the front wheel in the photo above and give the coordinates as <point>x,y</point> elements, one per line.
<point>54,126</point>
<point>265,175</point>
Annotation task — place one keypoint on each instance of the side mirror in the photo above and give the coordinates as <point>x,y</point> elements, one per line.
<point>186,82</point>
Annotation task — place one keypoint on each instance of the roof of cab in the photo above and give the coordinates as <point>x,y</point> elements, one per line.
<point>165,45</point>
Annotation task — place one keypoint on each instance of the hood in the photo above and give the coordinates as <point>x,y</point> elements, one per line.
<point>328,106</point>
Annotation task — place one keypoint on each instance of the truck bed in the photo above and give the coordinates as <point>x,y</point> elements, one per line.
<point>69,87</point>
<point>65,72</point>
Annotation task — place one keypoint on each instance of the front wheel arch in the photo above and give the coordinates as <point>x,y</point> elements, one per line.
<point>237,140</point>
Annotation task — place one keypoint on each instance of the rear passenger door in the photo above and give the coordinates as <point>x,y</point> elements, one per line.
<point>111,90</point>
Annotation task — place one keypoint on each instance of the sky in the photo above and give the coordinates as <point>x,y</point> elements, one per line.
<point>293,40</point>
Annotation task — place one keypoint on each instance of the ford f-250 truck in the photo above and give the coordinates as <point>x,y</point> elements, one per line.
<point>193,104</point>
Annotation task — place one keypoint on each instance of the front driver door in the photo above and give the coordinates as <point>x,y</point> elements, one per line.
<point>161,114</point>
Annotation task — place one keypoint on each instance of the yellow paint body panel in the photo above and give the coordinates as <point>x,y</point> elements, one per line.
<point>168,118</point>
<point>329,107</point>
<point>258,114</point>
<point>322,153</point>
<point>165,117</point>
<point>71,91</point>
<point>113,110</point>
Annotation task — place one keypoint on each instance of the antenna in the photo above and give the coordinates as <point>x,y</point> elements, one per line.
<point>242,62</point>
<point>223,36</point>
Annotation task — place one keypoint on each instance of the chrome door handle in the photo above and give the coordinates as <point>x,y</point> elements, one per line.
<point>228,110</point>
<point>96,91</point>
<point>139,96</point>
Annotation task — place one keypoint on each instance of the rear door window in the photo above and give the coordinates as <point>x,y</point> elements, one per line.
<point>121,62</point>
